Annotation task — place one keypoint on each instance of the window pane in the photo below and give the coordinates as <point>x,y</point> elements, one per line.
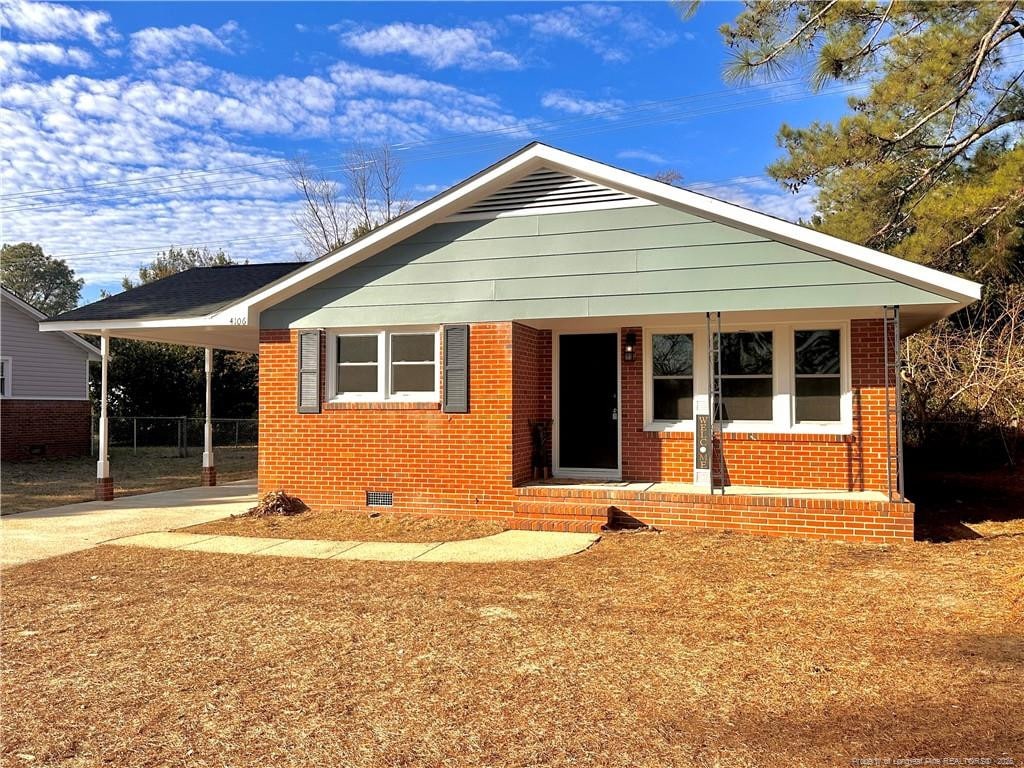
<point>747,354</point>
<point>817,351</point>
<point>817,399</point>
<point>357,378</point>
<point>412,378</point>
<point>412,349</point>
<point>747,399</point>
<point>672,354</point>
<point>357,349</point>
<point>673,399</point>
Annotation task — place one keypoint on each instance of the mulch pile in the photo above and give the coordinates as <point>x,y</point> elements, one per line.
<point>277,503</point>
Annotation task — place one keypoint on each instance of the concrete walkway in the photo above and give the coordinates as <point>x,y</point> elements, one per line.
<point>43,533</point>
<point>507,546</point>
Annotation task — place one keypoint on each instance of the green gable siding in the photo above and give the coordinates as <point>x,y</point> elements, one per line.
<point>624,261</point>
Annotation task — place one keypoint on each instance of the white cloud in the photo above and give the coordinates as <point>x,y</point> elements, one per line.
<point>762,194</point>
<point>153,148</point>
<point>641,154</point>
<point>157,44</point>
<point>14,57</point>
<point>439,47</point>
<point>573,104</point>
<point>607,30</point>
<point>50,21</point>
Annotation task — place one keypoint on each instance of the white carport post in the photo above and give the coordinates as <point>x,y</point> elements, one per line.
<point>209,468</point>
<point>104,483</point>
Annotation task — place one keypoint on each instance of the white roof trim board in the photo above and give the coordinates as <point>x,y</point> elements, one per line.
<point>37,315</point>
<point>536,157</point>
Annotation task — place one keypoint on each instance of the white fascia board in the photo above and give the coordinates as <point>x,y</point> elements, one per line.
<point>955,288</point>
<point>535,156</point>
<point>99,326</point>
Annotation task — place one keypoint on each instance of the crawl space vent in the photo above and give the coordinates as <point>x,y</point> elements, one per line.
<point>379,498</point>
<point>544,189</point>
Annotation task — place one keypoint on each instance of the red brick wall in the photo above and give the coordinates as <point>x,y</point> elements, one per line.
<point>458,465</point>
<point>60,427</point>
<point>849,462</point>
<point>531,397</point>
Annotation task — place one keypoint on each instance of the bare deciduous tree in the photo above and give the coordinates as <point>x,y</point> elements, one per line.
<point>324,217</point>
<point>368,195</point>
<point>971,373</point>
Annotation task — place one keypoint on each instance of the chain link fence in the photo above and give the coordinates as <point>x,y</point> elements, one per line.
<point>183,433</point>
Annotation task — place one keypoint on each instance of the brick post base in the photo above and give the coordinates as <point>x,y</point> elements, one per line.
<point>104,489</point>
<point>209,476</point>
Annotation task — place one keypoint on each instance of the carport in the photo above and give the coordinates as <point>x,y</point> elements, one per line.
<point>192,308</point>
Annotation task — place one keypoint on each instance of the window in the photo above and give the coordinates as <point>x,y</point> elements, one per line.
<point>672,370</point>
<point>385,365</point>
<point>413,363</point>
<point>5,377</point>
<point>746,376</point>
<point>358,365</point>
<point>818,387</point>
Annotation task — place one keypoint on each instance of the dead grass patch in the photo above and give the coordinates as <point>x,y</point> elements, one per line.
<point>687,649</point>
<point>339,525</point>
<point>29,485</point>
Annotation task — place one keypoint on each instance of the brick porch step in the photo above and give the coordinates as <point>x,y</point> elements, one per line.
<point>570,515</point>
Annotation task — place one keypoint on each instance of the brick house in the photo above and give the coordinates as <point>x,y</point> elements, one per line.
<point>663,356</point>
<point>44,386</point>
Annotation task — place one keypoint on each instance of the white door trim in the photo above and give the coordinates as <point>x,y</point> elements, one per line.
<point>584,473</point>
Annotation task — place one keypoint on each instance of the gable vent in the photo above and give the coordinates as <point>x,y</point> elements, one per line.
<point>545,189</point>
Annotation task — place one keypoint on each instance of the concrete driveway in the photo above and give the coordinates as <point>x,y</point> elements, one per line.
<point>29,536</point>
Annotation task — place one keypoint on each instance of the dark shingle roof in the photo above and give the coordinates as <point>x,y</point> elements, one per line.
<point>192,293</point>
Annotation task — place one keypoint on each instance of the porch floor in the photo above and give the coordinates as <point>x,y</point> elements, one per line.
<point>567,484</point>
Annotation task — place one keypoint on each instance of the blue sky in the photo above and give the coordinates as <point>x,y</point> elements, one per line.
<point>129,127</point>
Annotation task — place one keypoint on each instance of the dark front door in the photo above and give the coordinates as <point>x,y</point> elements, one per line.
<point>588,407</point>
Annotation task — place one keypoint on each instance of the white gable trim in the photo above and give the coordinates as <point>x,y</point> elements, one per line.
<point>35,314</point>
<point>536,156</point>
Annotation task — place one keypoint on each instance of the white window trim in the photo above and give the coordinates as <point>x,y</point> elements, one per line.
<point>8,377</point>
<point>783,379</point>
<point>383,366</point>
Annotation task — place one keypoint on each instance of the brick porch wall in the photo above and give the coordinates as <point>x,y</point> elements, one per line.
<point>60,428</point>
<point>531,397</point>
<point>845,462</point>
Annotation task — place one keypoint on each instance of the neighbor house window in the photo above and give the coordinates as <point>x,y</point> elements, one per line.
<point>818,387</point>
<point>672,371</point>
<point>386,365</point>
<point>5,377</point>
<point>746,376</point>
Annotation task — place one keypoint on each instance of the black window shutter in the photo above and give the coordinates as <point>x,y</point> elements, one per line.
<point>309,372</point>
<point>456,369</point>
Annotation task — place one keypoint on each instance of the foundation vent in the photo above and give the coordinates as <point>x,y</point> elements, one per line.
<point>380,498</point>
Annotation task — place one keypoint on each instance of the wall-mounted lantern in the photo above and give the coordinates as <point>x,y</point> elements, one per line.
<point>629,352</point>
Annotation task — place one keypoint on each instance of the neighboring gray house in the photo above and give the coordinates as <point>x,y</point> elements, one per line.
<point>44,385</point>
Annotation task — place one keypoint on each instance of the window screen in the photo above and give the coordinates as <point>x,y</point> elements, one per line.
<point>746,376</point>
<point>672,372</point>
<point>818,381</point>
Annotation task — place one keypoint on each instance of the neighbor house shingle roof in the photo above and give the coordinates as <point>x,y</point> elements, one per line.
<point>193,293</point>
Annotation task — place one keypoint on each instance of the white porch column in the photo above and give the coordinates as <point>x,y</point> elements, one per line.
<point>104,483</point>
<point>209,469</point>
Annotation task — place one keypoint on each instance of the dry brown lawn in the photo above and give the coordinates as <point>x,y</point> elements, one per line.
<point>647,650</point>
<point>351,526</point>
<point>45,483</point>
